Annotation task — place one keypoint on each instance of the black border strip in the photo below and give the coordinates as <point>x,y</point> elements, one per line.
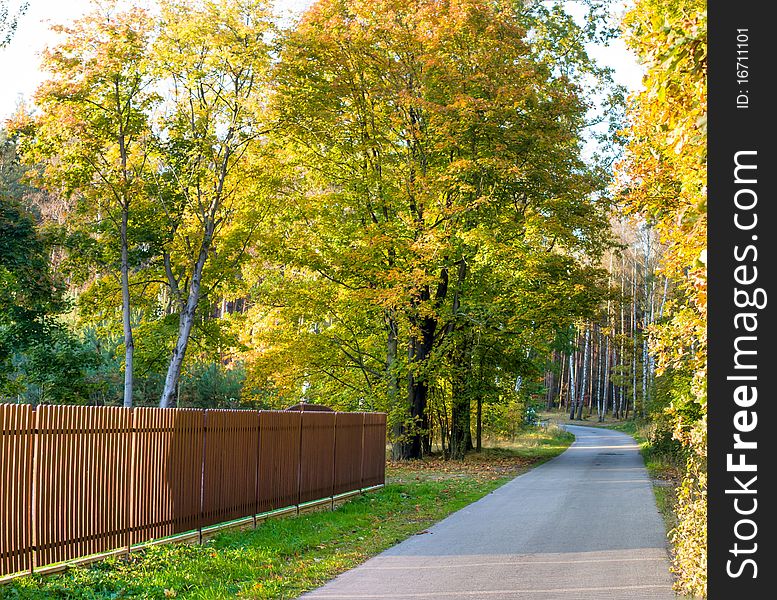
<point>741,121</point>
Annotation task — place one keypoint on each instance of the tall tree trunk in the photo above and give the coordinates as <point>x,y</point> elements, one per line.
<point>442,421</point>
<point>479,425</point>
<point>606,375</point>
<point>460,400</point>
<point>646,320</point>
<point>633,339</point>
<point>591,378</point>
<point>411,447</point>
<point>645,372</point>
<point>426,433</point>
<point>607,334</point>
<point>460,426</point>
<point>392,347</point>
<point>186,322</point>
<point>572,395</point>
<point>584,377</point>
<point>561,375</point>
<point>411,442</point>
<point>622,349</point>
<point>126,315</point>
<point>126,312</point>
<point>550,384</point>
<point>599,403</point>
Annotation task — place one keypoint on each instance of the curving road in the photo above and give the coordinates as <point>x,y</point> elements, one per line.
<point>583,526</point>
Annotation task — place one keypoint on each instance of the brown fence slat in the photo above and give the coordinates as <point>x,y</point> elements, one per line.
<point>167,484</point>
<point>16,441</point>
<point>231,463</point>
<point>82,480</point>
<point>279,459</point>
<point>317,455</point>
<point>374,450</point>
<point>349,429</point>
<point>81,463</point>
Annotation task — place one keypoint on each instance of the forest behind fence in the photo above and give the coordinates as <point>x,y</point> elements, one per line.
<point>83,480</point>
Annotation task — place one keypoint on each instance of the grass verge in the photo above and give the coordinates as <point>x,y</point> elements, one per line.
<point>285,557</point>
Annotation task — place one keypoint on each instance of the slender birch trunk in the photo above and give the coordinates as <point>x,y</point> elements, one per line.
<point>622,345</point>
<point>607,334</point>
<point>584,375</point>
<point>606,373</point>
<point>185,323</point>
<point>572,396</point>
<point>126,314</point>
<point>633,339</point>
<point>561,376</point>
<point>599,374</point>
<point>646,321</point>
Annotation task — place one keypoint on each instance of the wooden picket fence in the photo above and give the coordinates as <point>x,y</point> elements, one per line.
<point>77,481</point>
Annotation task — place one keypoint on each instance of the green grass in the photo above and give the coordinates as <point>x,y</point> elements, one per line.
<point>285,557</point>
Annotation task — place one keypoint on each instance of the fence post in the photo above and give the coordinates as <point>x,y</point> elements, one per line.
<point>130,499</point>
<point>202,473</point>
<point>32,493</point>
<point>258,462</point>
<point>361,454</point>
<point>334,464</point>
<point>299,459</point>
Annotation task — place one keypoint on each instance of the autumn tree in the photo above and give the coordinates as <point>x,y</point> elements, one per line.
<point>664,180</point>
<point>89,140</point>
<point>212,58</point>
<point>153,145</point>
<point>423,138</point>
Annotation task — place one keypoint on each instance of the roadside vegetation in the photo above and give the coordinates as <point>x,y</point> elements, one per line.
<point>382,206</point>
<point>285,557</point>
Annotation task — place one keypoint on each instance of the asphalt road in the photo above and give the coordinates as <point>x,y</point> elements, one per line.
<point>582,526</point>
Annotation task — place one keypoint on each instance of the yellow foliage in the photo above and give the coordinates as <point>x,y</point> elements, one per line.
<point>664,180</point>
<point>689,538</point>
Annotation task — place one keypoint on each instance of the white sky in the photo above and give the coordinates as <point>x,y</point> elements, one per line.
<point>20,60</point>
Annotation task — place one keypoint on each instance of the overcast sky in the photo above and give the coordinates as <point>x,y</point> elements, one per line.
<point>20,60</point>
